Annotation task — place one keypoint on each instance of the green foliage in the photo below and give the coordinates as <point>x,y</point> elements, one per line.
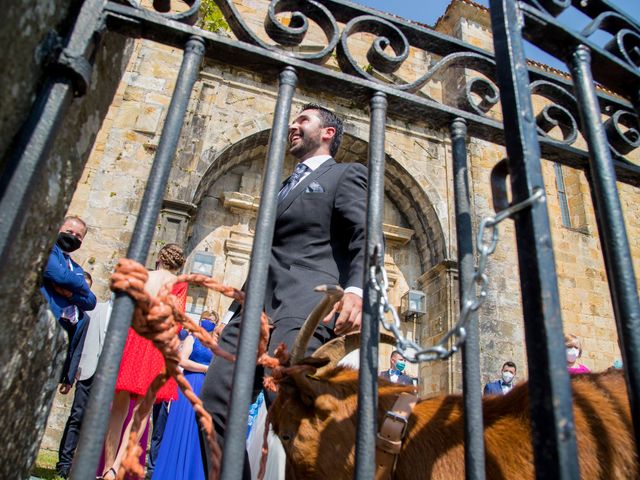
<point>211,18</point>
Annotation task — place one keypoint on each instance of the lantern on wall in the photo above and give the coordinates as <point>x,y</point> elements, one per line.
<point>413,305</point>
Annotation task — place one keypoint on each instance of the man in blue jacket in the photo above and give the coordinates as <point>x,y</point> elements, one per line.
<point>67,292</point>
<point>64,285</point>
<point>505,384</point>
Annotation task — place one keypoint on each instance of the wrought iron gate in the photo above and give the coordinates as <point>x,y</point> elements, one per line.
<point>616,66</point>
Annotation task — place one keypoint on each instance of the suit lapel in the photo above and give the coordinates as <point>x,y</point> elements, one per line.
<point>302,186</point>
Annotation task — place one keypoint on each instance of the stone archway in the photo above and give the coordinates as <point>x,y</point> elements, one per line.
<point>227,200</point>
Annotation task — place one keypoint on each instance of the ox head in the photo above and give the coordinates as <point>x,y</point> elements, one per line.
<point>314,414</point>
<point>315,419</point>
<point>307,411</point>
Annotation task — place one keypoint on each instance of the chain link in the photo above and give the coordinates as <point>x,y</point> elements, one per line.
<point>486,243</point>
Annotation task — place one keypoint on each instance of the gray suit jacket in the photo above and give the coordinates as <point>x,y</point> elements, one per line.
<point>94,340</point>
<point>319,238</point>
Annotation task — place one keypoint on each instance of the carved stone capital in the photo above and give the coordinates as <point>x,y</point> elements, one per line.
<point>237,247</point>
<point>396,236</point>
<point>240,203</point>
<point>448,266</point>
<point>178,208</point>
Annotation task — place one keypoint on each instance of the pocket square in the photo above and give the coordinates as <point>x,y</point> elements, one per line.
<point>315,187</point>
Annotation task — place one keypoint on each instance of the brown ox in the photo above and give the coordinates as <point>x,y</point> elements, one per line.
<point>315,418</point>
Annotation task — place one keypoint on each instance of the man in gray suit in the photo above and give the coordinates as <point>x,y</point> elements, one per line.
<point>318,239</point>
<point>94,335</point>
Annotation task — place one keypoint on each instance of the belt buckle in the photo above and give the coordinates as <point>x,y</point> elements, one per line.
<point>396,417</point>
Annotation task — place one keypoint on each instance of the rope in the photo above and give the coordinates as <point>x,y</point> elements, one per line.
<point>157,319</point>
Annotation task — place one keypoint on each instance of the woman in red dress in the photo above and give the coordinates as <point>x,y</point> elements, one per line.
<point>141,363</point>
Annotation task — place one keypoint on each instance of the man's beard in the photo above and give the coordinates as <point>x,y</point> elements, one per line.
<point>303,147</point>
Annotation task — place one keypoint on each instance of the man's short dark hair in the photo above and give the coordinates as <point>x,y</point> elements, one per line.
<point>329,119</point>
<point>509,364</point>
<point>396,352</point>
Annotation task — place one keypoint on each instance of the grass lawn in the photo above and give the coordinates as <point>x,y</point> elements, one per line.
<point>45,466</point>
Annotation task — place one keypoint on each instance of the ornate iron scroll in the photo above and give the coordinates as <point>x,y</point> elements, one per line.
<point>287,36</point>
<point>163,7</point>
<point>388,52</point>
<point>562,113</point>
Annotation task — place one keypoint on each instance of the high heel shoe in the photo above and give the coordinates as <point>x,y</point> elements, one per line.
<point>107,472</point>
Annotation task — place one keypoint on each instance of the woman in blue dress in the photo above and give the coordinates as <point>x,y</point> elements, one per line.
<point>179,456</point>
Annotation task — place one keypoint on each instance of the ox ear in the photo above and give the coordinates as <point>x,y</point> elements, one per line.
<point>307,386</point>
<point>316,362</point>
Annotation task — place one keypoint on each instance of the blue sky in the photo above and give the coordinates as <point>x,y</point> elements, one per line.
<point>428,11</point>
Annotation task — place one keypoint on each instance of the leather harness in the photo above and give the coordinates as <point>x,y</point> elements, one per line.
<point>392,431</point>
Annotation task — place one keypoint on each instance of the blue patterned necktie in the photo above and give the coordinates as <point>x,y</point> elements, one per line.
<point>295,177</point>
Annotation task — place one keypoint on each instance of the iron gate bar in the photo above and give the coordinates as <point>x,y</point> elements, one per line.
<point>244,372</point>
<point>550,35</point>
<point>552,423</point>
<point>474,462</point>
<point>402,105</point>
<point>611,227</point>
<point>367,431</point>
<point>95,422</point>
<point>29,151</point>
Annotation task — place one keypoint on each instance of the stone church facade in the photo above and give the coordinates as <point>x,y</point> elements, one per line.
<point>211,203</point>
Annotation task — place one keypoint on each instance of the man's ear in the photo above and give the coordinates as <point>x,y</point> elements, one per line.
<point>329,133</point>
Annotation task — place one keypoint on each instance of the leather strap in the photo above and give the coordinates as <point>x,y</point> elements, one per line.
<point>392,432</point>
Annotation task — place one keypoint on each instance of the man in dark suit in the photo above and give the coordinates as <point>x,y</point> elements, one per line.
<point>318,239</point>
<point>397,365</point>
<point>505,384</point>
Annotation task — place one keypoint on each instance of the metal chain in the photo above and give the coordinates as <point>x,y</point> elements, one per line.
<point>486,243</point>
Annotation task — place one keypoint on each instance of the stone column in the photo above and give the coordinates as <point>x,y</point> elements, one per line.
<point>441,288</point>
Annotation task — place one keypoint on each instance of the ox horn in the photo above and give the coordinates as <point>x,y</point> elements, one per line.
<point>338,348</point>
<point>333,293</point>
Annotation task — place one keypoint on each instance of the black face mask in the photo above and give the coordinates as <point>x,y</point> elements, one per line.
<point>68,243</point>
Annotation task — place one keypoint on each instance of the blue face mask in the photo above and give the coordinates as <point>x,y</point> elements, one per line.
<point>400,365</point>
<point>208,325</point>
